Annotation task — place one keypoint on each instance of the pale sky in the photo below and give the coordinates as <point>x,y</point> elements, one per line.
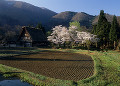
<point>92,7</point>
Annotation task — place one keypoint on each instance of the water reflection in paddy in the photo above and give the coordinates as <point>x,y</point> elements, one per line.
<point>12,82</point>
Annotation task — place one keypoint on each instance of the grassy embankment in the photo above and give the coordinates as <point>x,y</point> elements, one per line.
<point>107,71</point>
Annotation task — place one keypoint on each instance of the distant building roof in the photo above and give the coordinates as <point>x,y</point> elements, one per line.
<point>12,38</point>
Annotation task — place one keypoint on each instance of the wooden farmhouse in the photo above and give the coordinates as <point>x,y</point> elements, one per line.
<point>29,37</point>
<point>25,38</point>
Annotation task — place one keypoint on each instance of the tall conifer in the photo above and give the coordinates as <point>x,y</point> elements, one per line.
<point>114,31</point>
<point>102,29</point>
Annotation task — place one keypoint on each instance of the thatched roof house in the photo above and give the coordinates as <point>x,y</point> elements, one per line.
<point>36,34</point>
<point>29,37</point>
<point>32,37</point>
<point>11,41</point>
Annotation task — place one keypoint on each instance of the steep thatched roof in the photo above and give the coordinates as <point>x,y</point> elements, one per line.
<point>24,32</point>
<point>35,34</point>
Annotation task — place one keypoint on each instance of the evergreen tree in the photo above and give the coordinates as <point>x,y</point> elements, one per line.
<point>102,30</point>
<point>94,29</point>
<point>114,32</point>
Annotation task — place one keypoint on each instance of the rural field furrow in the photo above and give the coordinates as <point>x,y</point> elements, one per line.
<point>59,65</point>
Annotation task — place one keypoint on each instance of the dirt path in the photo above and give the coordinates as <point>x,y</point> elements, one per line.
<point>60,65</point>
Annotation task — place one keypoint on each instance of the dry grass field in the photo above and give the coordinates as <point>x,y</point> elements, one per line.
<point>54,64</point>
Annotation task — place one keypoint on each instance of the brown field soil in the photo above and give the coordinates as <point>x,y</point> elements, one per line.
<point>59,65</point>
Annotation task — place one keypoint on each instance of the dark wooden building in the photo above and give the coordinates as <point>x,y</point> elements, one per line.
<point>11,41</point>
<point>25,38</point>
<point>32,37</point>
<point>29,37</point>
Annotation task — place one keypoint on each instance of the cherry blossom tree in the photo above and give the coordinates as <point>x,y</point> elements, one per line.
<point>81,37</point>
<point>61,34</point>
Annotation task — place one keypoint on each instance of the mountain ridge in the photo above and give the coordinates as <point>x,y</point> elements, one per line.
<point>21,13</point>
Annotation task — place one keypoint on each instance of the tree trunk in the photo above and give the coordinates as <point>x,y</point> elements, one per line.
<point>107,44</point>
<point>96,44</point>
<point>114,45</point>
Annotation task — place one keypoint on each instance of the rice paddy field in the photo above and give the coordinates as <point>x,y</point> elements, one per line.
<point>59,65</point>
<point>62,67</point>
